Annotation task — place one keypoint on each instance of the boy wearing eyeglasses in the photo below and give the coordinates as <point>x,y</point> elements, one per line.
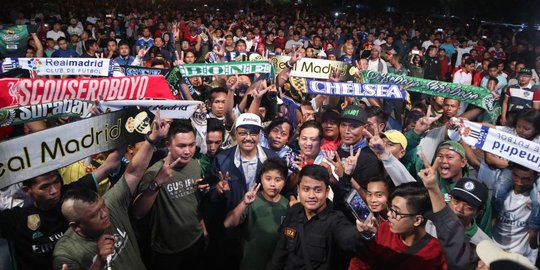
<point>402,241</point>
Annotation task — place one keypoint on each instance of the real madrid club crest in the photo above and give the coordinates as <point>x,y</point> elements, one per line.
<point>139,123</point>
<point>33,222</point>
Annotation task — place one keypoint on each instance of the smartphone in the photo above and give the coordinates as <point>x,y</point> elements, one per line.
<point>439,30</point>
<point>415,52</point>
<point>358,207</point>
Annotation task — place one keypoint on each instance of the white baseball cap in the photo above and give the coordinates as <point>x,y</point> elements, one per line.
<point>496,258</point>
<point>248,119</point>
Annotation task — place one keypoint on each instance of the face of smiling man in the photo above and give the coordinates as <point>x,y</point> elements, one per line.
<point>247,137</point>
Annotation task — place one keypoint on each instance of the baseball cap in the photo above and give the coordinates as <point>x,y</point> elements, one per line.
<point>498,259</point>
<point>248,119</point>
<point>454,146</point>
<point>354,113</point>
<point>472,191</point>
<point>329,115</point>
<point>331,52</point>
<point>525,71</point>
<point>395,136</point>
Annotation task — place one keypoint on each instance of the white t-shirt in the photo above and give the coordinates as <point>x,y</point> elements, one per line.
<point>55,35</point>
<point>426,44</point>
<point>374,65</point>
<point>379,42</point>
<point>460,53</point>
<point>511,230</point>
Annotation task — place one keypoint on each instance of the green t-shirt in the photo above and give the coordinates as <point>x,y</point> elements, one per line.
<point>260,222</point>
<point>174,217</point>
<point>205,162</point>
<point>79,252</point>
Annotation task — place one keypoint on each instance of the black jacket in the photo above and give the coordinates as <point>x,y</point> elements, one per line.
<point>432,68</point>
<point>325,235</point>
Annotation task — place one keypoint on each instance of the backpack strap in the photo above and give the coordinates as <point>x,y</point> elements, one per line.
<point>409,252</point>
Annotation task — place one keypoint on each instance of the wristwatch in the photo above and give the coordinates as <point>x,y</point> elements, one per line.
<point>289,65</point>
<point>147,138</point>
<point>154,186</point>
<point>152,143</point>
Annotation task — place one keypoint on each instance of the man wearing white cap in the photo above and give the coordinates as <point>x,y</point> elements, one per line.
<point>238,166</point>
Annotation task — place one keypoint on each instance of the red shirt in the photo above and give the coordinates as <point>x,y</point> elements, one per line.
<point>331,145</point>
<point>387,244</point>
<point>480,50</point>
<point>280,42</point>
<point>477,79</point>
<point>498,54</point>
<point>446,69</point>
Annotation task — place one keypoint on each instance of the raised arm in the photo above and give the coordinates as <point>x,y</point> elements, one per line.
<point>144,201</point>
<point>230,117</point>
<point>111,163</point>
<point>450,231</point>
<point>141,160</point>
<point>39,46</point>
<point>234,216</point>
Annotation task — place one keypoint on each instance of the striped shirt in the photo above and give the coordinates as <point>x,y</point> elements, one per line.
<point>522,97</point>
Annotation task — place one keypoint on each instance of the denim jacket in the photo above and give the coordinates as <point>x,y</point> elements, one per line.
<point>503,187</point>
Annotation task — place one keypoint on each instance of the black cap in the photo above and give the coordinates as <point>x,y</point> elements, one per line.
<point>354,113</point>
<point>525,71</point>
<point>472,191</point>
<point>330,115</point>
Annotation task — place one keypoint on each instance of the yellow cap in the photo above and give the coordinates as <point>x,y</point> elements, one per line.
<point>395,136</point>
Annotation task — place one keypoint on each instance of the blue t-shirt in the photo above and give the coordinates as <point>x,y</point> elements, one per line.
<point>65,54</point>
<point>449,48</point>
<point>141,42</point>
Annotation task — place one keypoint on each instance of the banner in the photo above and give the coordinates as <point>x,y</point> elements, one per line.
<point>63,66</point>
<point>41,152</point>
<point>23,92</point>
<point>175,109</point>
<point>230,68</point>
<point>13,40</point>
<point>497,142</point>
<point>213,69</point>
<point>135,71</point>
<point>24,114</point>
<point>386,91</point>
<point>474,95</point>
<point>315,68</point>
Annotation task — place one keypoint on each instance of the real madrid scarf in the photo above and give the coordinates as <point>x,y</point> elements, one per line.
<point>497,142</point>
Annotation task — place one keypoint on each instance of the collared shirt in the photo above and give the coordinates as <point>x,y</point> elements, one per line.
<point>521,97</point>
<point>249,166</point>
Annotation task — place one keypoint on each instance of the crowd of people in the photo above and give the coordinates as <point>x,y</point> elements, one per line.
<point>266,184</point>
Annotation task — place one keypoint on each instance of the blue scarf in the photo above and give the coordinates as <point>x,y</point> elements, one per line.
<point>359,145</point>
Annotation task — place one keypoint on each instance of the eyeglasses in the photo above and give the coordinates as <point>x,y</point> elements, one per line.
<point>252,133</point>
<point>397,215</point>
